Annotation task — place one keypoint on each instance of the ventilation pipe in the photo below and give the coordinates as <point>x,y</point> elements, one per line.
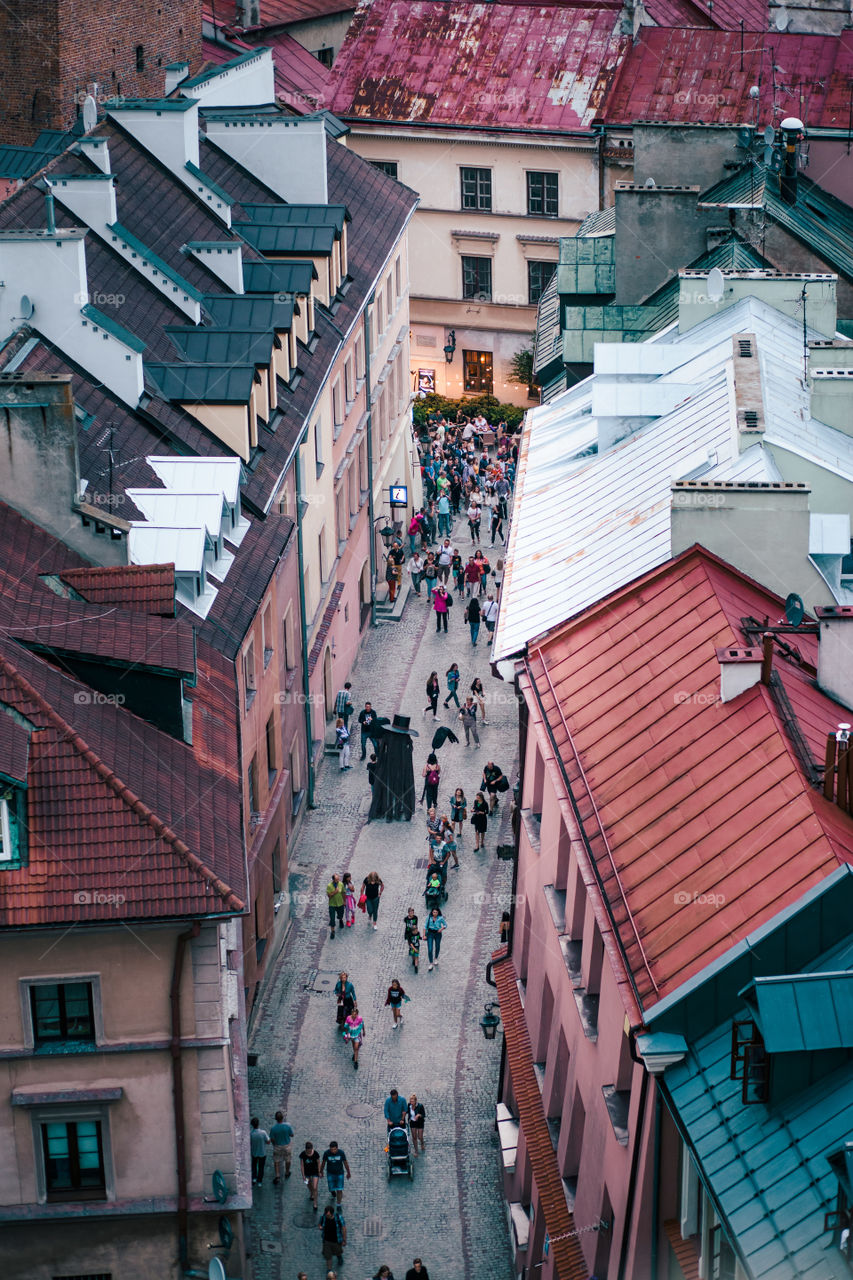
<point>792,128</point>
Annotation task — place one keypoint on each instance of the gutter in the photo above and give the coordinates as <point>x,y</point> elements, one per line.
<point>369,431</point>
<point>178,1089</point>
<point>635,1160</point>
<point>303,618</point>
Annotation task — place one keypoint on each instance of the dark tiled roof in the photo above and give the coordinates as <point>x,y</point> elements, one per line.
<point>236,604</point>
<point>142,588</point>
<point>14,749</point>
<point>236,311</point>
<point>325,626</point>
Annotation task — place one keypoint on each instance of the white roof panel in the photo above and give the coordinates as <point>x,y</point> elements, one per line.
<point>199,475</point>
<point>165,507</point>
<point>158,544</point>
<point>829,535</point>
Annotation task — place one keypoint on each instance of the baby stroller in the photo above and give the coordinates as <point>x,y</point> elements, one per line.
<point>400,1154</point>
<point>436,891</point>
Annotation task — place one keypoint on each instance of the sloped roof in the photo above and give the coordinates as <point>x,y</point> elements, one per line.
<point>805,1012</point>
<point>279,278</point>
<point>317,215</point>
<point>203,384</point>
<point>275,13</point>
<point>733,254</point>
<point>472,65</point>
<point>301,80</point>
<point>223,345</point>
<point>697,813</point>
<point>14,749</point>
<point>678,75</point>
<point>271,237</point>
<point>146,588</point>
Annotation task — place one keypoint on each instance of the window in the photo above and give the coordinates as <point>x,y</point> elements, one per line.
<point>542,194</point>
<point>289,640</point>
<point>321,553</point>
<point>296,789</point>
<point>5,831</point>
<point>722,1258</point>
<point>326,56</point>
<point>750,1062</point>
<point>477,279</point>
<point>398,276</point>
<point>337,404</point>
<point>272,750</point>
<point>73,1160</point>
<point>341,511</point>
<point>478,371</point>
<point>62,1011</point>
<point>253,787</point>
<point>388,167</point>
<point>380,315</point>
<point>359,356</point>
<point>318,445</point>
<point>140,57</point>
<point>389,297</point>
<point>249,674</point>
<point>349,380</point>
<point>13,827</point>
<point>267,635</point>
<point>476,188</point>
<point>539,276</point>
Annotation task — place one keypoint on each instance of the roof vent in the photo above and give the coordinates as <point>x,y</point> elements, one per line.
<point>740,669</point>
<point>750,419</point>
<point>744,348</point>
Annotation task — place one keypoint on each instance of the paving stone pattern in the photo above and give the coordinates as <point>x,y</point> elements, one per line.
<point>452,1214</point>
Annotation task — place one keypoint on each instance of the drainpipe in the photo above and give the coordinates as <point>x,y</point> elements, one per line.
<point>370,513</point>
<point>601,167</point>
<point>178,1090</point>
<point>635,1160</point>
<point>303,626</point>
<point>653,1252</point>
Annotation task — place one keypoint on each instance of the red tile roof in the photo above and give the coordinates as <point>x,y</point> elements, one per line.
<point>684,1250</point>
<point>698,814</point>
<point>691,76</point>
<point>498,66</point>
<point>142,588</point>
<point>14,749</point>
<point>569,1263</point>
<point>277,13</point>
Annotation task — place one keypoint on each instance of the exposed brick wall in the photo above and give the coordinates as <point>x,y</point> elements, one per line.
<point>51,51</point>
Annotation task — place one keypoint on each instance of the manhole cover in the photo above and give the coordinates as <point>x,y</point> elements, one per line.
<point>422,862</point>
<point>304,1220</point>
<point>361,1111</point>
<point>271,1246</point>
<point>322,981</point>
<point>373,1227</point>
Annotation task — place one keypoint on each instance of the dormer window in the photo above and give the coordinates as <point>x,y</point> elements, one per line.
<point>13,845</point>
<point>750,1062</point>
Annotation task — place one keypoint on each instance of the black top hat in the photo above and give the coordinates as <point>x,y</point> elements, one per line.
<point>400,724</point>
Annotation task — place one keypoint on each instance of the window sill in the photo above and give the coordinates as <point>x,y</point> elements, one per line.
<point>320,468</point>
<point>618,1103</point>
<point>64,1046</point>
<point>289,677</point>
<point>587,1006</point>
<point>267,657</point>
<point>556,899</point>
<point>251,694</point>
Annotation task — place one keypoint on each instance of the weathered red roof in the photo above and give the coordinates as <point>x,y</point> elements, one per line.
<point>700,13</point>
<point>277,13</point>
<point>700,815</point>
<point>142,588</point>
<point>499,66</point>
<point>693,76</point>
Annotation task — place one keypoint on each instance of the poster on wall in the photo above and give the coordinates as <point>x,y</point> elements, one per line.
<point>426,381</point>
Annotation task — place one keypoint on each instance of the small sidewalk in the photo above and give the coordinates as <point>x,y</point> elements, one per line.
<point>452,1215</point>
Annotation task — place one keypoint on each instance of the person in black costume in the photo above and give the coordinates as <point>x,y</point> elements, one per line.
<point>394,784</point>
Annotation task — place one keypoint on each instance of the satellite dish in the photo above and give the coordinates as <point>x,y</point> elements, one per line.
<point>220,1187</point>
<point>769,135</point>
<point>744,137</point>
<point>26,307</point>
<point>754,91</point>
<point>782,19</point>
<point>90,113</point>
<point>215,1270</point>
<point>226,1232</point>
<point>794,609</point>
<point>715,284</point>
<point>650,184</point>
<point>776,162</point>
<point>792,124</point>
<point>767,155</point>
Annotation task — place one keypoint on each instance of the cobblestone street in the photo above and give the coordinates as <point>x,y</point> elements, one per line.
<point>452,1215</point>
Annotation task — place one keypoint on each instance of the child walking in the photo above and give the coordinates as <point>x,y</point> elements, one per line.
<point>349,901</point>
<point>395,997</point>
<point>458,811</point>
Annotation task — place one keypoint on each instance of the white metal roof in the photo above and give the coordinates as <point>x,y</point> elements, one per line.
<point>165,507</point>
<point>160,544</point>
<point>199,475</point>
<point>584,526</point>
<point>829,535</point>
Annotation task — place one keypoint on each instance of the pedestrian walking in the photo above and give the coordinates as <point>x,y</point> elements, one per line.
<point>258,1142</point>
<point>309,1163</point>
<point>452,677</point>
<point>354,1035</point>
<point>479,693</point>
<point>472,575</point>
<point>334,1165</point>
<point>349,901</point>
<point>430,576</point>
<point>415,569</point>
<point>414,533</point>
<point>443,510</point>
<point>281,1137</point>
<point>412,936</point>
<point>445,556</point>
<point>394,999</point>
<point>369,724</point>
<point>504,929</point>
<point>474,517</point>
<point>433,690</point>
<point>431,775</point>
<point>417,1118</point>
<point>391,577</point>
<point>343,704</point>
<point>494,781</point>
<point>468,716</point>
<point>345,997</point>
<point>371,770</point>
<point>490,613</point>
<point>458,811</point>
<point>497,521</point>
<point>457,568</point>
<point>480,820</point>
<point>384,1273</point>
<point>335,894</point>
<point>342,743</point>
<point>372,888</point>
<point>417,1271</point>
<point>435,927</point>
<point>394,1110</point>
<point>441,605</point>
<point>472,617</point>
<point>333,1232</point>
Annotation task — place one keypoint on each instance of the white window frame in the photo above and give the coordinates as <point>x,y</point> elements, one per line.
<point>6,853</point>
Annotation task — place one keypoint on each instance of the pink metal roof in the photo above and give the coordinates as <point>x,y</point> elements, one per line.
<point>277,13</point>
<point>693,76</point>
<point>699,815</point>
<point>725,14</point>
<point>507,66</point>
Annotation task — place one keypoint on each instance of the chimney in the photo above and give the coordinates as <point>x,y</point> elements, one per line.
<point>792,128</point>
<point>288,154</point>
<point>740,669</point>
<point>749,400</point>
<point>97,150</point>
<point>835,653</point>
<point>175,73</point>
<point>784,291</point>
<point>838,768</point>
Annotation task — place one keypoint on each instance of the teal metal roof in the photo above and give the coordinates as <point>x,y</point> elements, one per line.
<point>220,246</point>
<point>804,1012</point>
<point>313,215</point>
<point>203,384</point>
<point>119,232</point>
<point>237,311</point>
<point>279,277</point>
<point>209,183</point>
<point>198,345</point>
<point>548,346</point>
<point>820,220</point>
<point>151,104</point>
<point>225,66</point>
<point>296,238</point>
<point>111,326</point>
<point>601,222</point>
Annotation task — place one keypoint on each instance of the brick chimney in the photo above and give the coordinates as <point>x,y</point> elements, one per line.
<point>740,669</point>
<point>835,654</point>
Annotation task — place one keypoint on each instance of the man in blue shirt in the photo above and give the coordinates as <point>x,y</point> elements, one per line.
<point>395,1109</point>
<point>334,1165</point>
<point>281,1136</point>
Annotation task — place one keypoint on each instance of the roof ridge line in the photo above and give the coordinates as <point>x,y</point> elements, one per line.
<point>122,790</point>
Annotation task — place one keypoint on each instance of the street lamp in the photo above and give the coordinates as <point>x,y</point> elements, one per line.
<point>387,534</point>
<point>450,346</point>
<point>490,1020</point>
